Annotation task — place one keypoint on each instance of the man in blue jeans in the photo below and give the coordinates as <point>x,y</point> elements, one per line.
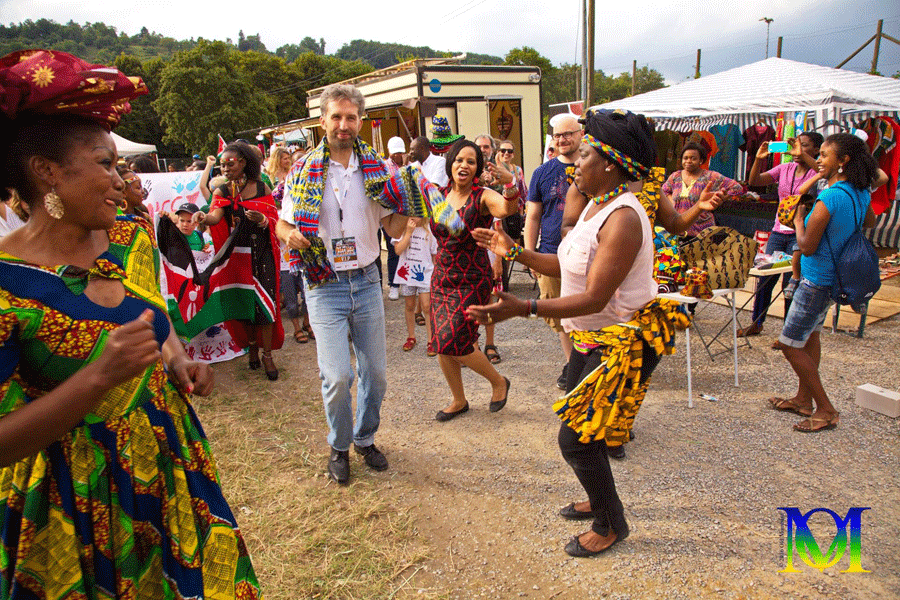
<point>338,220</point>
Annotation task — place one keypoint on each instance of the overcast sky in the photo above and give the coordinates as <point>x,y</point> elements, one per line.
<point>661,34</point>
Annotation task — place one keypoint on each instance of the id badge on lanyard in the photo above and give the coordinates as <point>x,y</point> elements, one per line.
<point>344,248</point>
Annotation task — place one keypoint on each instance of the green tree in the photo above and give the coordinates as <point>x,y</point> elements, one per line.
<point>204,92</point>
<point>529,57</point>
<point>308,44</point>
<point>271,74</point>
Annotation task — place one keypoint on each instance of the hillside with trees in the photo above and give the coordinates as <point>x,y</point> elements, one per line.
<point>201,88</point>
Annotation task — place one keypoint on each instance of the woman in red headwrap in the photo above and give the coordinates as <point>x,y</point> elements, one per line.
<point>107,485</point>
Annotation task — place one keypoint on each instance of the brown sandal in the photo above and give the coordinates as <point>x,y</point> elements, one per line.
<point>301,337</point>
<point>309,332</point>
<point>814,424</point>
<point>788,405</point>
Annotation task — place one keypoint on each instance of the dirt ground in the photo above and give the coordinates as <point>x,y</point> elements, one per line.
<point>701,486</point>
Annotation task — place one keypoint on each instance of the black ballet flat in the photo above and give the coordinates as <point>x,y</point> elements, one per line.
<point>498,406</point>
<point>574,547</point>
<point>446,416</point>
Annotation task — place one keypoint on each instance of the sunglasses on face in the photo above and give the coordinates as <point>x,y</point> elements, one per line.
<point>506,151</point>
<point>229,162</point>
<point>132,180</point>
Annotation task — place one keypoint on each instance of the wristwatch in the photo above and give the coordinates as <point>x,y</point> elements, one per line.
<point>532,312</point>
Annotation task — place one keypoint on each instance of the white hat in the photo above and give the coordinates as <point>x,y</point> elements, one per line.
<point>395,145</point>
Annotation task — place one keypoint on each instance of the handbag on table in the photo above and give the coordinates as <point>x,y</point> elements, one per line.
<point>726,255</point>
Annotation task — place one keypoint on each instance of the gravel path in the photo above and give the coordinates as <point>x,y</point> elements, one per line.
<point>701,486</point>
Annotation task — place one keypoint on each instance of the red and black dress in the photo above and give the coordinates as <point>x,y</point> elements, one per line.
<point>255,264</point>
<point>462,277</point>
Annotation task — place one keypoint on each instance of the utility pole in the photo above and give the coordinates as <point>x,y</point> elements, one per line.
<point>589,60</point>
<point>697,68</point>
<point>780,40</point>
<point>768,23</point>
<point>584,50</point>
<point>633,76</point>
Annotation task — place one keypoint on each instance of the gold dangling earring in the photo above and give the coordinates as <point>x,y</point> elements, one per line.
<point>53,205</point>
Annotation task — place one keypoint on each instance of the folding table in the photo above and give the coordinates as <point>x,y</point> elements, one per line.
<point>687,332</point>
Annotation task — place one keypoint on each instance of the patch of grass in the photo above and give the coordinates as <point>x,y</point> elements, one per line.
<point>308,537</point>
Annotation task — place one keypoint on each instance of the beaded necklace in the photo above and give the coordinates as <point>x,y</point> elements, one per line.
<point>619,189</point>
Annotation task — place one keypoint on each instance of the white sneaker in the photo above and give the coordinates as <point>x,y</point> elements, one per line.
<point>394,293</point>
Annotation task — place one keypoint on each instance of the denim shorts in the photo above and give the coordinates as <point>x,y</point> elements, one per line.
<point>807,314</point>
<point>411,290</point>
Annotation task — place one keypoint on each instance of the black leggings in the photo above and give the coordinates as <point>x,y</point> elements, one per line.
<point>589,461</point>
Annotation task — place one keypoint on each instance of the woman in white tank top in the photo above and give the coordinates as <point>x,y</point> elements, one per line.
<point>607,304</point>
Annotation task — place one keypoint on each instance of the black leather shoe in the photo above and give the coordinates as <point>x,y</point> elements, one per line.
<point>617,452</point>
<point>372,456</point>
<point>569,512</point>
<point>339,466</point>
<point>561,380</point>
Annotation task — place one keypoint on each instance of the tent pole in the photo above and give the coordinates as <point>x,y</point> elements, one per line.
<point>780,40</point>
<point>858,50</point>
<point>697,69</point>
<point>877,47</point>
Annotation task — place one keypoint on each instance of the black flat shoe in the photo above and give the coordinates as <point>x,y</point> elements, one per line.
<point>446,416</point>
<point>569,512</point>
<point>498,406</point>
<point>254,364</point>
<point>574,547</point>
<point>616,452</point>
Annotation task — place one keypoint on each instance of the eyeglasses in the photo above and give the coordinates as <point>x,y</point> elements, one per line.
<point>506,151</point>
<point>565,134</point>
<point>131,180</point>
<point>229,162</point>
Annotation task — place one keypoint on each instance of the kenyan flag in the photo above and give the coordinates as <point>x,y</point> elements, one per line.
<point>221,292</point>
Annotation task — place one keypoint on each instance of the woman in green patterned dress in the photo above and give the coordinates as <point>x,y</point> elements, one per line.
<point>107,485</point>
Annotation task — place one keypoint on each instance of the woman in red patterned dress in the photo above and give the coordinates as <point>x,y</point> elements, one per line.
<point>462,277</point>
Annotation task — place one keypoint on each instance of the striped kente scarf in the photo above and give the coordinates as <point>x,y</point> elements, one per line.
<point>406,192</point>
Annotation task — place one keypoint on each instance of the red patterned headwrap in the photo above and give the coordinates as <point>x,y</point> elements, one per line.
<point>50,82</point>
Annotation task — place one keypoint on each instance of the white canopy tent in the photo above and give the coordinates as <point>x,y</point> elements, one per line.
<point>127,147</point>
<point>758,91</point>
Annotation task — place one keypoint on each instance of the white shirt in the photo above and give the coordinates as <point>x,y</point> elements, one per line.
<point>344,192</point>
<point>435,170</point>
<point>576,254</point>
<point>415,265</point>
<point>10,223</point>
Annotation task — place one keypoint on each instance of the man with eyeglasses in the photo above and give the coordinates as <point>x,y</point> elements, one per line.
<point>544,212</point>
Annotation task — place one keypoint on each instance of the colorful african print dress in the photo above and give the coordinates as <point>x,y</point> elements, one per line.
<point>127,504</point>
<point>462,276</point>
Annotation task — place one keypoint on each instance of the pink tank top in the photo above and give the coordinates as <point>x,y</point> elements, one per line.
<point>576,253</point>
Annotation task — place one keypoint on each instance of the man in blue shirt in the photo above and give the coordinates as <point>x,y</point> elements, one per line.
<point>544,212</point>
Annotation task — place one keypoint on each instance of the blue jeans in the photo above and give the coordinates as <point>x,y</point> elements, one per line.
<point>293,295</point>
<point>352,304</point>
<point>784,242</point>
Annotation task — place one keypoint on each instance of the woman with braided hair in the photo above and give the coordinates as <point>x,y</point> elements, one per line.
<point>609,308</point>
